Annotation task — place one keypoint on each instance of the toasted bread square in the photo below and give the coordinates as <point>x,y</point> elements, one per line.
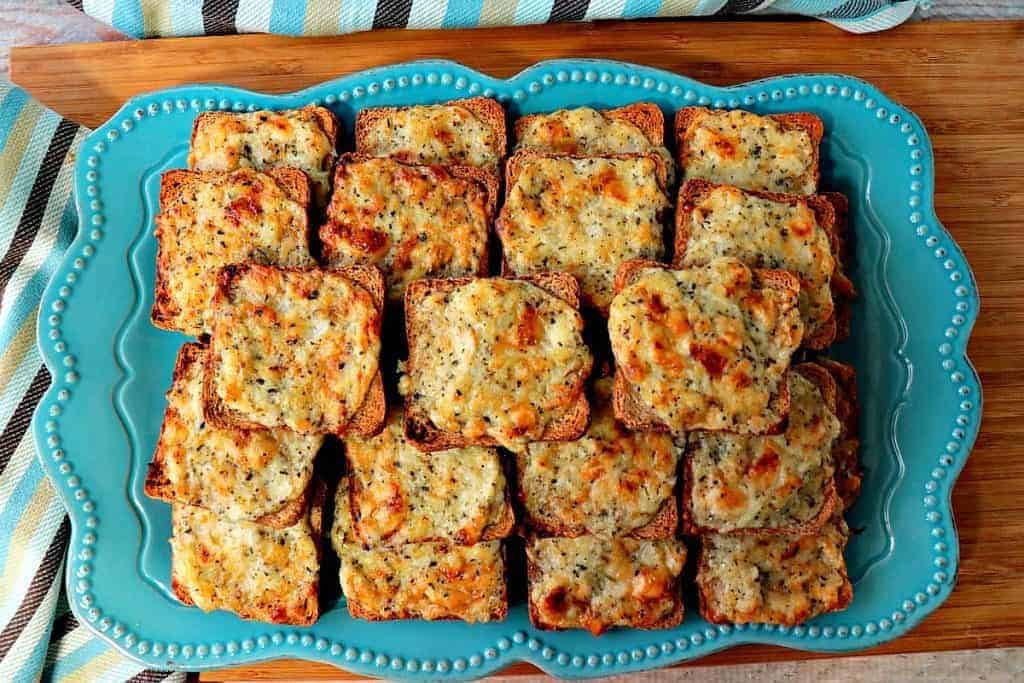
<point>611,482</point>
<point>582,215</point>
<point>208,220</point>
<point>703,348</point>
<point>494,361</point>
<point>843,289</point>
<point>419,580</point>
<point>412,221</point>
<point>398,494</point>
<point>765,230</point>
<point>305,139</point>
<point>783,580</point>
<point>262,476</point>
<point>257,572</point>
<point>778,484</point>
<point>599,584</point>
<point>636,128</point>
<point>774,153</point>
<point>297,348</point>
<point>468,132</point>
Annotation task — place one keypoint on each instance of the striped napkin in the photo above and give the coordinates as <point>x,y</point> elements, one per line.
<point>39,637</point>
<point>149,18</point>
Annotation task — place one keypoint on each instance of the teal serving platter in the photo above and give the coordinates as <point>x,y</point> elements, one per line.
<point>98,423</point>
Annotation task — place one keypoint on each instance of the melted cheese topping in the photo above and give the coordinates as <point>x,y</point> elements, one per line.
<point>253,570</point>
<point>412,221</point>
<point>587,132</point>
<point>219,219</point>
<point>295,348</point>
<point>445,134</point>
<point>750,151</point>
<point>766,234</point>
<point>608,483</point>
<point>496,358</point>
<point>598,584</point>
<point>773,482</point>
<point>238,474</point>
<point>585,217</point>
<point>705,348</point>
<point>265,139</point>
<point>774,579</point>
<point>419,580</point>
<point>402,495</point>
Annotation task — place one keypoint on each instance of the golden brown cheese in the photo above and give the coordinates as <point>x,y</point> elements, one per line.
<point>749,151</point>
<point>587,132</point>
<point>759,482</point>
<point>412,221</point>
<point>598,584</point>
<point>585,217</point>
<point>502,359</point>
<point>766,234</point>
<point>401,495</point>
<point>420,580</point>
<point>218,219</point>
<point>236,473</point>
<point>706,347</point>
<point>783,580</point>
<point>608,483</point>
<point>295,348</point>
<point>255,571</point>
<point>445,134</point>
<point>265,139</point>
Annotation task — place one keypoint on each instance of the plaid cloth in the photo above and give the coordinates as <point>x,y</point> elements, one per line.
<point>149,18</point>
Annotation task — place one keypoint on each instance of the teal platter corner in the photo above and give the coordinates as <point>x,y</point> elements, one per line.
<point>920,397</point>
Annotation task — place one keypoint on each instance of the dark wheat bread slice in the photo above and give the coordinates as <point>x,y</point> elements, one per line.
<point>258,572</point>
<point>515,320</point>
<point>265,476</point>
<point>260,217</point>
<point>599,584</point>
<point>749,138</point>
<point>257,303</point>
<point>477,140</point>
<point>649,310</point>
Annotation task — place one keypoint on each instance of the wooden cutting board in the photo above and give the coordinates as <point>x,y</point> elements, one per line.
<point>965,80</point>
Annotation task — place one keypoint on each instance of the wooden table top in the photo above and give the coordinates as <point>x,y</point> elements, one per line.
<point>963,79</point>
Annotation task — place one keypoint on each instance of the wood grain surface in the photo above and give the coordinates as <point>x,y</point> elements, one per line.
<point>965,80</point>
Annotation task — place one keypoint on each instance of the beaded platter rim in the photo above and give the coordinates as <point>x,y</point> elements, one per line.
<point>445,80</point>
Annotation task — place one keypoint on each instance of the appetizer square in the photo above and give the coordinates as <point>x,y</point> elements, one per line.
<point>257,572</point>
<point>636,128</point>
<point>846,451</point>
<point>494,362</point>
<point>768,484</point>
<point>419,580</point>
<point>262,476</point>
<point>703,348</point>
<point>399,494</point>
<point>303,138</point>
<point>584,216</point>
<point>598,584</point>
<point>783,580</point>
<point>611,482</point>
<point>297,348</point>
<point>765,230</point>
<point>776,153</point>
<point>208,220</point>
<point>469,132</point>
<point>412,221</point>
